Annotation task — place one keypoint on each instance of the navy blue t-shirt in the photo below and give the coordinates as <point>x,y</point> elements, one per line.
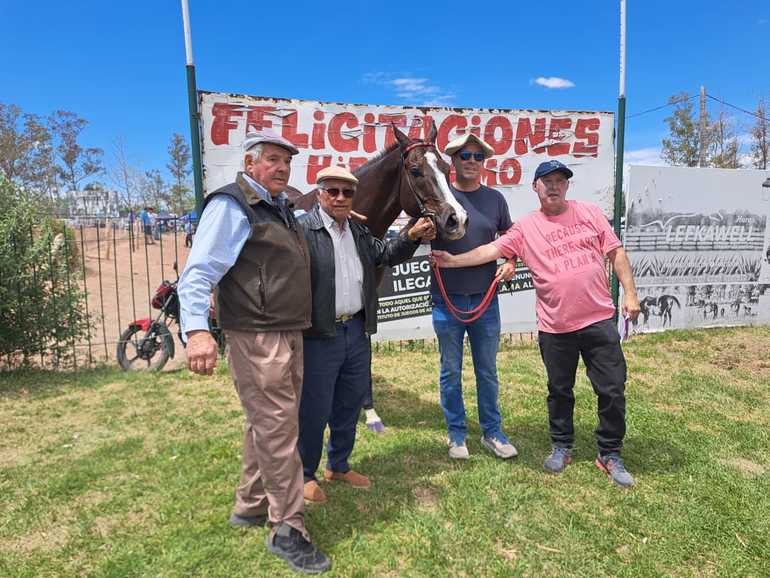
<point>487,214</point>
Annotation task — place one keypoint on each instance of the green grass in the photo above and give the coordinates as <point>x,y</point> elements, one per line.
<point>109,474</point>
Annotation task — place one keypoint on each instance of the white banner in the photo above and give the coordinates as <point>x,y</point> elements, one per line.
<point>698,243</point>
<point>348,135</point>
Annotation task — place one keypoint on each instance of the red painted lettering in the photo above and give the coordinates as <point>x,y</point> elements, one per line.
<point>315,164</point>
<point>489,175</point>
<point>502,144</point>
<point>585,131</point>
<point>510,172</point>
<point>319,128</point>
<point>255,118</point>
<point>387,119</point>
<point>420,127</point>
<point>289,131</point>
<point>222,123</point>
<point>339,142</point>
<point>451,122</point>
<point>527,138</point>
<point>555,134</point>
<point>370,133</point>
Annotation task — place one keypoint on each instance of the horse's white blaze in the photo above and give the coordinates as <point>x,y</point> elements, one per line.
<point>449,198</point>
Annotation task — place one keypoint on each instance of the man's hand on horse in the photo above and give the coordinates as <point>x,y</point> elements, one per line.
<point>201,352</point>
<point>423,229</point>
<point>357,217</point>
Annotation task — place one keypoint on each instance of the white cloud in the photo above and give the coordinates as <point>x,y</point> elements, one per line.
<point>553,82</point>
<point>414,91</point>
<point>648,156</point>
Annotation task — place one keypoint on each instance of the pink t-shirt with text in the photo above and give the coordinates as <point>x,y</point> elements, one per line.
<point>565,255</point>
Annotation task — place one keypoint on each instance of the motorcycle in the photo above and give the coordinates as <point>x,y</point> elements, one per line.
<point>148,344</point>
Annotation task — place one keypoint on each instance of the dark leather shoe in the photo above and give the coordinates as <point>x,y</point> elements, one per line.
<point>248,521</point>
<point>302,556</point>
<point>350,477</point>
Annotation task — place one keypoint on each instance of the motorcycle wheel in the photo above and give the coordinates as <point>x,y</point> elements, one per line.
<point>150,355</point>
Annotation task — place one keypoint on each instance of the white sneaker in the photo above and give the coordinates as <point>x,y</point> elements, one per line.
<point>458,450</point>
<point>500,445</point>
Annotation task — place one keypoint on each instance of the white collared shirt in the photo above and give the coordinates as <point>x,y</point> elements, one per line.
<point>348,271</point>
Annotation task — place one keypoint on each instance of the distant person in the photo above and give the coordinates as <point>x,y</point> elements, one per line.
<point>343,259</point>
<point>250,247</point>
<point>466,288</point>
<point>146,219</point>
<point>188,233</point>
<point>564,244</point>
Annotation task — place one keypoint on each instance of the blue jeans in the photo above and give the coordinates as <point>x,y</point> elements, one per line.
<point>484,338</point>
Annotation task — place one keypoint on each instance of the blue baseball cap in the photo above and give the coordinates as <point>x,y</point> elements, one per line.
<point>549,167</point>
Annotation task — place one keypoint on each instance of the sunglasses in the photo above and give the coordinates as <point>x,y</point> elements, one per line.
<point>478,156</point>
<point>334,191</point>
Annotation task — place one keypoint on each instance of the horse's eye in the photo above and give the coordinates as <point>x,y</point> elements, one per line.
<point>415,173</point>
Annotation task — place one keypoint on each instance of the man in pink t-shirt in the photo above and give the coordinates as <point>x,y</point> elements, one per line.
<point>564,244</point>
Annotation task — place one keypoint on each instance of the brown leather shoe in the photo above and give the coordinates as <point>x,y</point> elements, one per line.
<point>350,477</point>
<point>314,493</point>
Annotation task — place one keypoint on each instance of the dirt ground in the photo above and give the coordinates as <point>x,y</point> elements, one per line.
<point>120,283</point>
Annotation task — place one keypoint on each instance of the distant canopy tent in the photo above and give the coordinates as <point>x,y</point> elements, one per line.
<point>191,216</point>
<point>164,216</point>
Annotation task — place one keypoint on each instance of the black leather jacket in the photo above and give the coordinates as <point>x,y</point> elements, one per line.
<point>372,252</point>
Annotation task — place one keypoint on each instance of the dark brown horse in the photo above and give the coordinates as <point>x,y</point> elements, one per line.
<point>409,175</point>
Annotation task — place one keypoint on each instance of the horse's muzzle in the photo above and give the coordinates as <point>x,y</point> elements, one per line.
<point>451,228</point>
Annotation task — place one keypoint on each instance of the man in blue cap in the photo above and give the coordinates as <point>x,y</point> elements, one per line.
<point>564,244</point>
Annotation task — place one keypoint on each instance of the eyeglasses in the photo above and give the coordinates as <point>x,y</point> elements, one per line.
<point>478,156</point>
<point>334,191</point>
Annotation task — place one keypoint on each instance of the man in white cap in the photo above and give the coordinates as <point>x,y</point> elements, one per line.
<point>343,258</point>
<point>466,288</point>
<point>250,247</point>
<point>564,244</point>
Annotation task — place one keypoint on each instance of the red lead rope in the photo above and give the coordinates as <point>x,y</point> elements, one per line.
<point>478,311</point>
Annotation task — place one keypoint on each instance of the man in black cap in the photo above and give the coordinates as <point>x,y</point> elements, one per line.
<point>249,246</point>
<point>564,244</point>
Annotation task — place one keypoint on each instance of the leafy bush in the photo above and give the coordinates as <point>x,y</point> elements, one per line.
<point>42,310</point>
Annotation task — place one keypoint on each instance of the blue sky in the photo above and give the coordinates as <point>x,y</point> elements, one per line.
<point>121,65</point>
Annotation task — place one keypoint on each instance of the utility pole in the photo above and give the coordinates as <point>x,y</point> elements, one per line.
<point>702,162</point>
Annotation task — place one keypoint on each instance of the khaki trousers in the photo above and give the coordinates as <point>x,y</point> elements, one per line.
<point>267,372</point>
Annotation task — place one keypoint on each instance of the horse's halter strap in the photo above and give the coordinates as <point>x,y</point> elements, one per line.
<point>423,143</point>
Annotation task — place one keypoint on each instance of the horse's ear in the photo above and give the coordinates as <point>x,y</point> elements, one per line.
<point>402,139</point>
<point>433,132</point>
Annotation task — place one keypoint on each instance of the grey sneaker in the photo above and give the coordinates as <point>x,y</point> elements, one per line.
<point>558,459</point>
<point>500,444</point>
<point>613,467</point>
<point>458,449</point>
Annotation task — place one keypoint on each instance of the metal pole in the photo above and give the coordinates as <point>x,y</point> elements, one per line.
<point>702,128</point>
<point>192,102</point>
<point>619,145</point>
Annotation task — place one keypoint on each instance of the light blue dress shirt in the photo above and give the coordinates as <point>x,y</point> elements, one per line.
<point>221,235</point>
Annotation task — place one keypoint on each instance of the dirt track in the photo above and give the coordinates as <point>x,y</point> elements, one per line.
<point>110,263</point>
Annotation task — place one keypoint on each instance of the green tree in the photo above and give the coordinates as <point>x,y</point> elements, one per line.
<point>154,190</point>
<point>76,163</point>
<point>683,146</point>
<point>179,166</point>
<point>26,150</point>
<point>41,304</point>
<point>723,146</point>
<point>759,132</point>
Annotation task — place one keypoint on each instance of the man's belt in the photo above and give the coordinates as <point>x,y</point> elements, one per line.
<point>345,318</point>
